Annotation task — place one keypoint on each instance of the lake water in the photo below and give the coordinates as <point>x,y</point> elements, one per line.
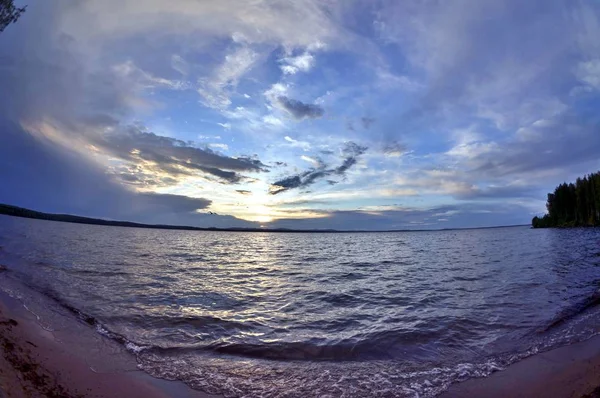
<point>297,315</point>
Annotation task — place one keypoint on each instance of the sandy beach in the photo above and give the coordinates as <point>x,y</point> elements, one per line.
<point>35,363</point>
<point>571,371</point>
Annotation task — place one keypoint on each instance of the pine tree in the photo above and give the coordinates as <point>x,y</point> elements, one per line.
<point>573,205</point>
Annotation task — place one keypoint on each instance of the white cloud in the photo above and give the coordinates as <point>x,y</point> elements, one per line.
<point>472,150</point>
<point>272,120</point>
<point>217,89</point>
<point>223,147</point>
<point>275,91</point>
<point>301,23</point>
<point>180,64</point>
<point>145,80</point>
<point>298,144</point>
<point>589,73</point>
<point>310,160</point>
<point>300,63</point>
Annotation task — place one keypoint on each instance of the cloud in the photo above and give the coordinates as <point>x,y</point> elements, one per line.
<point>217,89</point>
<point>70,183</point>
<point>221,146</point>
<point>351,152</point>
<point>299,110</point>
<point>155,155</point>
<point>303,63</point>
<point>177,203</point>
<point>462,215</point>
<point>589,73</point>
<point>394,149</point>
<point>243,191</point>
<point>145,80</point>
<point>313,161</point>
<point>516,82</point>
<point>298,144</point>
<point>298,24</point>
<point>498,118</point>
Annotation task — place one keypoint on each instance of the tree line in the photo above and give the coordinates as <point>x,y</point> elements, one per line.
<point>573,205</point>
<point>9,13</point>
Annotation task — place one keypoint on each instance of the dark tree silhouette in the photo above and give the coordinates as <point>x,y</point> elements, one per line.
<point>573,205</point>
<point>9,13</point>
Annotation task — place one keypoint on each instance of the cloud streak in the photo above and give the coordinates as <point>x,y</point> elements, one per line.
<point>351,153</point>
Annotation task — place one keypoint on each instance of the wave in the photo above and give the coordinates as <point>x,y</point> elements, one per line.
<point>573,311</point>
<point>386,345</point>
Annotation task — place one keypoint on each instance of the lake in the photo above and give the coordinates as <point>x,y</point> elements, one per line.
<point>316,314</point>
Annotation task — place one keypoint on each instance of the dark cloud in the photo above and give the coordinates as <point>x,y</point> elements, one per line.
<point>243,191</point>
<point>367,122</point>
<point>300,110</point>
<point>175,203</point>
<point>351,152</point>
<point>171,156</point>
<point>57,180</point>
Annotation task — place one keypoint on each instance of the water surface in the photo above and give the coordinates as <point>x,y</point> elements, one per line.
<point>319,314</point>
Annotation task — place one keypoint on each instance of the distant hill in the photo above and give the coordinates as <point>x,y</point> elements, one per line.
<point>27,213</point>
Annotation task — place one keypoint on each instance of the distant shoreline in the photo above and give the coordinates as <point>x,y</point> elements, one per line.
<point>16,211</point>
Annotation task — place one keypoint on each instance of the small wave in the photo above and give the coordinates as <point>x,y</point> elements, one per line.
<point>218,326</point>
<point>372,346</point>
<point>98,273</point>
<point>129,345</point>
<point>574,310</point>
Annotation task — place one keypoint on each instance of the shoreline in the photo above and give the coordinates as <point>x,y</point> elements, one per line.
<point>571,371</point>
<point>34,362</point>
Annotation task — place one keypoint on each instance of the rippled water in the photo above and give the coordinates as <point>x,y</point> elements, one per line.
<point>352,314</point>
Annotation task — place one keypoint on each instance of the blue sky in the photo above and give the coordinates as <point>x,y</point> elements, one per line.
<point>304,114</point>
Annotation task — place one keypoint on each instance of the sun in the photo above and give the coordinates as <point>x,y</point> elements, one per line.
<point>262,218</point>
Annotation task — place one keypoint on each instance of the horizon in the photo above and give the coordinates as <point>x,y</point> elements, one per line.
<point>305,115</point>
<point>129,224</point>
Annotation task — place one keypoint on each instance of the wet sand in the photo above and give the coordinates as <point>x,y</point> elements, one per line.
<point>34,363</point>
<point>565,372</point>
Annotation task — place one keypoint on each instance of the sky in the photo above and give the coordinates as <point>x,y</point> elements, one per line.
<point>343,114</point>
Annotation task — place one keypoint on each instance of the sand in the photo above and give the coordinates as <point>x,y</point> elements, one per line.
<point>34,363</point>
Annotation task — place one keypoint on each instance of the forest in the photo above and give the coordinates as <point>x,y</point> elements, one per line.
<point>573,205</point>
